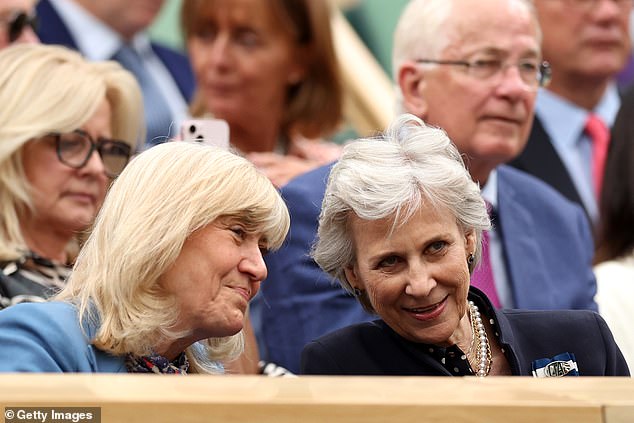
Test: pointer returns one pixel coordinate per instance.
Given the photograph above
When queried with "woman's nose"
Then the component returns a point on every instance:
(420, 281)
(253, 264)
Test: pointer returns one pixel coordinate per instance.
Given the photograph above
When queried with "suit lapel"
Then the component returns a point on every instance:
(51, 29)
(540, 159)
(523, 256)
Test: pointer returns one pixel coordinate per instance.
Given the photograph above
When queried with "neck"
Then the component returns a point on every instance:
(463, 334)
(255, 138)
(582, 91)
(50, 244)
(172, 349)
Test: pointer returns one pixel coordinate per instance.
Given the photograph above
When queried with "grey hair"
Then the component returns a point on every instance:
(424, 29)
(393, 175)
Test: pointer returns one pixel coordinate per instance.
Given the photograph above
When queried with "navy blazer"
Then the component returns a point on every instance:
(541, 160)
(374, 349)
(53, 30)
(548, 252)
(47, 337)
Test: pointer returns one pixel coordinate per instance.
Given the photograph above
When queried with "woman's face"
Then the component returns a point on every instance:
(65, 199)
(215, 276)
(243, 60)
(417, 278)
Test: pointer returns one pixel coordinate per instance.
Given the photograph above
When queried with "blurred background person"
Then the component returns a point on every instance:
(67, 128)
(615, 241)
(586, 43)
(169, 288)
(17, 22)
(401, 228)
(267, 67)
(473, 69)
(117, 30)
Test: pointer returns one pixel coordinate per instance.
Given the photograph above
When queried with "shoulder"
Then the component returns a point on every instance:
(309, 187)
(169, 54)
(46, 337)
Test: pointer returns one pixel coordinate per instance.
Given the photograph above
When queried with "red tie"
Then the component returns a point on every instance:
(482, 277)
(600, 136)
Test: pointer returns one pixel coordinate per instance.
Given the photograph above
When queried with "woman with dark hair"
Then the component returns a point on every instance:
(614, 257)
(267, 67)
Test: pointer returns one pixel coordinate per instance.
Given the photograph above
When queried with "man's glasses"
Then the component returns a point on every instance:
(533, 74)
(75, 148)
(16, 24)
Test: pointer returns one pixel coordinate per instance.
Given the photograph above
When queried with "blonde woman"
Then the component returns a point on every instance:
(164, 280)
(67, 128)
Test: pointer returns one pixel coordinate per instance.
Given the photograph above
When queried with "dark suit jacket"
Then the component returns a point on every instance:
(548, 251)
(541, 160)
(53, 30)
(373, 348)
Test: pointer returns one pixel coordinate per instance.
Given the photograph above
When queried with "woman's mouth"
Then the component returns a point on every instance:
(427, 312)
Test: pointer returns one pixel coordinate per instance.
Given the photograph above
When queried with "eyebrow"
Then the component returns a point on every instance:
(501, 52)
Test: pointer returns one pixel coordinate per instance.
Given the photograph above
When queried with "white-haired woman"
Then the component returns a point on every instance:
(400, 227)
(164, 279)
(67, 128)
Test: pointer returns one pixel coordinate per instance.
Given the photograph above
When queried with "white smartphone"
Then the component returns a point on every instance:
(208, 131)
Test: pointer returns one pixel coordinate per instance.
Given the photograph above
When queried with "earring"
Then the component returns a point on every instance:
(470, 261)
(356, 292)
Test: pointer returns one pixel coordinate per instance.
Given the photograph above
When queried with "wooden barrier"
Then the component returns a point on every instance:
(197, 398)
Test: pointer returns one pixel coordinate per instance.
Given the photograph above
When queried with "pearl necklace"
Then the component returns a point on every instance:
(482, 355)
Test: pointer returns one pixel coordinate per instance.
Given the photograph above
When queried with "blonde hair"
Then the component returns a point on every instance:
(162, 197)
(46, 89)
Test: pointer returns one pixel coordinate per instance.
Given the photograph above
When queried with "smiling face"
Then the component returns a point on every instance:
(416, 279)
(243, 60)
(488, 119)
(65, 199)
(218, 271)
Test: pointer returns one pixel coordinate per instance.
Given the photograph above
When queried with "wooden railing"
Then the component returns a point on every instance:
(197, 398)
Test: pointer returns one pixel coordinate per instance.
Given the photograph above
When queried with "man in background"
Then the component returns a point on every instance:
(587, 43)
(116, 30)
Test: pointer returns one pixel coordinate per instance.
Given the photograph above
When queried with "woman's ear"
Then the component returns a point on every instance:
(411, 81)
(351, 276)
(470, 242)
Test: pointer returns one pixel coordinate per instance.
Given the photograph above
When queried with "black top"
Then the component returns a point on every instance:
(373, 348)
(30, 279)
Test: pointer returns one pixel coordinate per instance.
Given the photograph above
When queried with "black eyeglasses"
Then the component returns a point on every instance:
(16, 24)
(533, 74)
(75, 148)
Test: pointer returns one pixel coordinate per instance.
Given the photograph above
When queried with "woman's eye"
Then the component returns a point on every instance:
(248, 38)
(239, 232)
(436, 247)
(388, 262)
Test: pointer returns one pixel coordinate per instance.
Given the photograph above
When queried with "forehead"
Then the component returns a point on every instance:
(494, 25)
(425, 223)
(240, 12)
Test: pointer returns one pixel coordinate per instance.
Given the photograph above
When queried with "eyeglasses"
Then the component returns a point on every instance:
(590, 5)
(16, 24)
(532, 73)
(75, 148)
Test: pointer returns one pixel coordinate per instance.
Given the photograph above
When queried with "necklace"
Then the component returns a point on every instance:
(479, 340)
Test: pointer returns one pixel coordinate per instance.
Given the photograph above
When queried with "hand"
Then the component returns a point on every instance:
(281, 169)
(322, 152)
